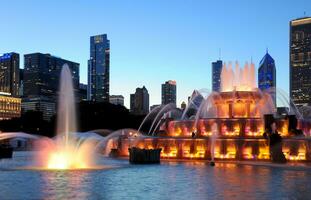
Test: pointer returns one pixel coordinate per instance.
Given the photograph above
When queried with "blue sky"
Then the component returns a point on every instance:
(154, 41)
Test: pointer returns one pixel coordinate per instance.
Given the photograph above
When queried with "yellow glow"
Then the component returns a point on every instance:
(64, 160)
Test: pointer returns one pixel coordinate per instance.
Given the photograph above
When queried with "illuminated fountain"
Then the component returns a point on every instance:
(66, 152)
(225, 125)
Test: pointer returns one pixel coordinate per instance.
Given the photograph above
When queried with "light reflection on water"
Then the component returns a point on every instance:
(170, 180)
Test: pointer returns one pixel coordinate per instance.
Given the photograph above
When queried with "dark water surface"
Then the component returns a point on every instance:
(169, 180)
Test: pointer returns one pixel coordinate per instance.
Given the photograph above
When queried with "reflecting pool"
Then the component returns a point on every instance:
(169, 180)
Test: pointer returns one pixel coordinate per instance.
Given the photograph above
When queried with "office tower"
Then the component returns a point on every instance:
(169, 92)
(42, 72)
(41, 81)
(216, 73)
(9, 74)
(98, 69)
(139, 101)
(83, 92)
(300, 61)
(267, 76)
(10, 104)
(116, 100)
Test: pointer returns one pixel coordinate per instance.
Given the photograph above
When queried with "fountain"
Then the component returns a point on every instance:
(226, 125)
(65, 152)
(69, 149)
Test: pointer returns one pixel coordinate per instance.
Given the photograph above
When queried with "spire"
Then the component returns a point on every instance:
(266, 50)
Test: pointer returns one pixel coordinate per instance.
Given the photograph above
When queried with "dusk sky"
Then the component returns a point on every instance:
(155, 41)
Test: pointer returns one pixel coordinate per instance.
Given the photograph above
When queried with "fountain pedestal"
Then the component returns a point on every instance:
(144, 156)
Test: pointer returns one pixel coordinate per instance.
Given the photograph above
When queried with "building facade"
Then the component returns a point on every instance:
(267, 76)
(139, 101)
(42, 72)
(216, 73)
(169, 92)
(41, 104)
(83, 92)
(98, 69)
(41, 82)
(116, 100)
(9, 74)
(300, 61)
(10, 107)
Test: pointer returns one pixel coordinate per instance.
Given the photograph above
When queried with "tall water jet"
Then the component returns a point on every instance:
(66, 152)
(66, 115)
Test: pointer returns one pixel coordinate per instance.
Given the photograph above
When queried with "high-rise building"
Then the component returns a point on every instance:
(267, 76)
(169, 92)
(116, 100)
(83, 92)
(41, 81)
(98, 68)
(300, 61)
(216, 73)
(42, 72)
(139, 101)
(10, 104)
(9, 74)
(21, 82)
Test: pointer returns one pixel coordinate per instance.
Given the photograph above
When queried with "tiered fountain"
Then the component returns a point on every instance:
(227, 125)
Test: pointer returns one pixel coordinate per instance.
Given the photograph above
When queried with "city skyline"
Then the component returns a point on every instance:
(148, 50)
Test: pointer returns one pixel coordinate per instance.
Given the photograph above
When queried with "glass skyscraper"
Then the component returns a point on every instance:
(41, 82)
(169, 92)
(216, 72)
(41, 74)
(267, 76)
(9, 74)
(300, 61)
(98, 68)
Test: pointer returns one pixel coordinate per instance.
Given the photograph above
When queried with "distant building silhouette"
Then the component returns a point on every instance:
(139, 101)
(300, 61)
(98, 69)
(267, 76)
(169, 92)
(216, 72)
(41, 82)
(116, 100)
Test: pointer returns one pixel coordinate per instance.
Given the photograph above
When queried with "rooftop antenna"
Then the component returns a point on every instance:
(304, 13)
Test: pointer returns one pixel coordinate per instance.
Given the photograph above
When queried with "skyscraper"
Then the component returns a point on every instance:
(300, 61)
(216, 72)
(41, 75)
(41, 82)
(9, 74)
(139, 101)
(267, 76)
(169, 92)
(10, 104)
(98, 68)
